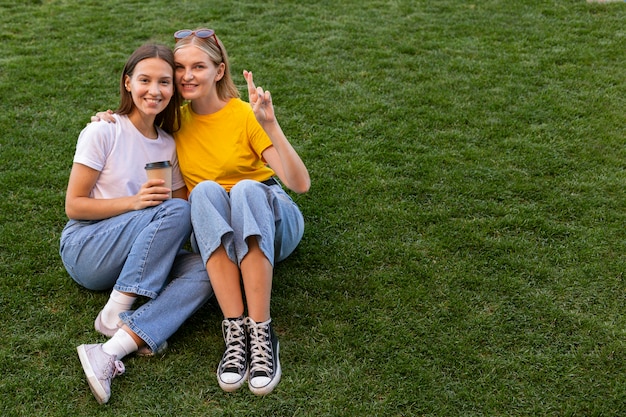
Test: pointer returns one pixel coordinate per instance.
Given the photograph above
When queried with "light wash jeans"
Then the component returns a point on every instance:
(132, 252)
(188, 290)
(250, 209)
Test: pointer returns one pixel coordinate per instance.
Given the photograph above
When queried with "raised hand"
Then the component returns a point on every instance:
(260, 100)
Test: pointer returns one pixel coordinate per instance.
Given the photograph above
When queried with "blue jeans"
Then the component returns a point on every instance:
(139, 252)
(132, 252)
(188, 290)
(251, 209)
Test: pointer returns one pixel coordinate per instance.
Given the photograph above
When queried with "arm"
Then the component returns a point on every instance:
(281, 156)
(79, 205)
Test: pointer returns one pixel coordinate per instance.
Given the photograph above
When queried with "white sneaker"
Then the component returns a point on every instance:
(100, 368)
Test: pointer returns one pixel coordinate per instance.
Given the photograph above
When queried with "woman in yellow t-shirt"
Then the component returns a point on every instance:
(230, 153)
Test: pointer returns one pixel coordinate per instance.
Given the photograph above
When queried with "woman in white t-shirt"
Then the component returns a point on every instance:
(125, 232)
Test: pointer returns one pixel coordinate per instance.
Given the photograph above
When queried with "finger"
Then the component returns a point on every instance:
(159, 191)
(155, 197)
(250, 80)
(151, 203)
(159, 197)
(154, 182)
(260, 93)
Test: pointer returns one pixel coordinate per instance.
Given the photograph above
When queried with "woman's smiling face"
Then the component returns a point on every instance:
(196, 74)
(151, 86)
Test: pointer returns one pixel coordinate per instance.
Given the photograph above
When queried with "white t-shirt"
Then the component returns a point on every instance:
(120, 152)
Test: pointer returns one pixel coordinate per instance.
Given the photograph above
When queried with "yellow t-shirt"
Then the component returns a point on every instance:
(225, 146)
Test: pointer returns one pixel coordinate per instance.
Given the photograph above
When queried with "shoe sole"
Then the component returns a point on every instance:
(274, 382)
(94, 385)
(232, 387)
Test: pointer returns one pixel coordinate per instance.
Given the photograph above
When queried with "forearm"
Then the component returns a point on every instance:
(87, 208)
(296, 175)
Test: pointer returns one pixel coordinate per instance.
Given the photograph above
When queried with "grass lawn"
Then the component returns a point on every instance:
(465, 246)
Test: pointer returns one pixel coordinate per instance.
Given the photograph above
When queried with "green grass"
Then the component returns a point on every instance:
(465, 245)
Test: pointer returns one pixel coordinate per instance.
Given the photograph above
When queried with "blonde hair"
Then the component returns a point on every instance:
(213, 47)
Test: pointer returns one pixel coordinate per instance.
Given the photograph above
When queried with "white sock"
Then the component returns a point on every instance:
(118, 303)
(120, 345)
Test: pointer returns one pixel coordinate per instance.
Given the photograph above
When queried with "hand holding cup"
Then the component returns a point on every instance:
(161, 170)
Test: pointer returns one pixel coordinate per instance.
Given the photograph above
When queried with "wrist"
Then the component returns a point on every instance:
(270, 125)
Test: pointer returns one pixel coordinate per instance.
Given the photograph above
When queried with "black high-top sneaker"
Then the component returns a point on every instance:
(265, 369)
(232, 371)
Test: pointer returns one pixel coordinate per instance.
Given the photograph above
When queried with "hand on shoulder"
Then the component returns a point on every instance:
(106, 116)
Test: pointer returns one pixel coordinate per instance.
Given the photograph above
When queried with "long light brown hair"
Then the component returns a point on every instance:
(169, 118)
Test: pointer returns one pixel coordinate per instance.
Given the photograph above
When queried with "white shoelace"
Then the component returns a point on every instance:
(260, 350)
(235, 337)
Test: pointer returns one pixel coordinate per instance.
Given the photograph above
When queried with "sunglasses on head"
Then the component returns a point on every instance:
(200, 33)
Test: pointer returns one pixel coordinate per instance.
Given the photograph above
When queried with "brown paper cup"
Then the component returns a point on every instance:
(160, 170)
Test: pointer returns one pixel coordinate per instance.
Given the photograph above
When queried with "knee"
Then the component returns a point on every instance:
(206, 190)
(94, 281)
(206, 187)
(246, 189)
(178, 207)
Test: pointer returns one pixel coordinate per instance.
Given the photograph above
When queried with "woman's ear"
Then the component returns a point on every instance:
(220, 71)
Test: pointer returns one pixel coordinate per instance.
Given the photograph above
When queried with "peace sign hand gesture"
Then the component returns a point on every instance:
(260, 101)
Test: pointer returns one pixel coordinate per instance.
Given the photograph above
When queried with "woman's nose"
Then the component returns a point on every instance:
(155, 89)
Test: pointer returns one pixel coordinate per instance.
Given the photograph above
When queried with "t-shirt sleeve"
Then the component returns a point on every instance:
(94, 145)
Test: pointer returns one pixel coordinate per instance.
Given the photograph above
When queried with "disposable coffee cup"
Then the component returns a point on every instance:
(161, 170)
